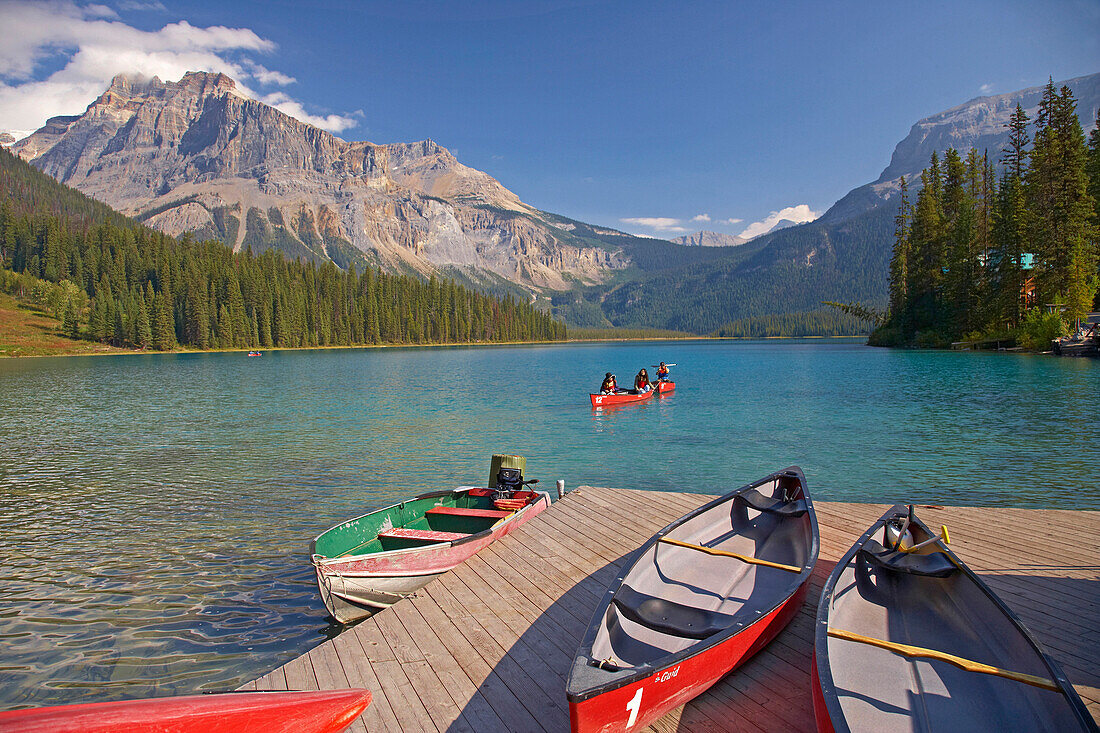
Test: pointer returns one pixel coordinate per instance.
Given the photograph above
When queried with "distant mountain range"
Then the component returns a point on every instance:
(709, 239)
(197, 156)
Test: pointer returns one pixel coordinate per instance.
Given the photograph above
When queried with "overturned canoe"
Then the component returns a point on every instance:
(375, 560)
(908, 638)
(326, 711)
(699, 598)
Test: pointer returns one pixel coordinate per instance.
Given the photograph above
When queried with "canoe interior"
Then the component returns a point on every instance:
(359, 536)
(877, 689)
(674, 597)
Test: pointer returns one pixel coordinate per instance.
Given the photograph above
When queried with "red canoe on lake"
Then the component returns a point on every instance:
(327, 711)
(700, 597)
(627, 396)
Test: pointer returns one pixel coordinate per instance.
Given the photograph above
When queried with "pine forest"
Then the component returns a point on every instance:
(980, 255)
(112, 280)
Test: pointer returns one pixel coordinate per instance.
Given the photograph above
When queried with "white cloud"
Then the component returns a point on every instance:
(98, 47)
(798, 214)
(730, 221)
(283, 103)
(701, 217)
(266, 76)
(660, 224)
(985, 88)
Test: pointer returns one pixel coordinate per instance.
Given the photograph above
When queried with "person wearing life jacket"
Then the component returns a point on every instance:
(608, 386)
(641, 382)
(662, 373)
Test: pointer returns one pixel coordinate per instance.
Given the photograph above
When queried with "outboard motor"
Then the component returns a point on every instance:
(509, 480)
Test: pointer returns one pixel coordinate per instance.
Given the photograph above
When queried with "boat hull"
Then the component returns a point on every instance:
(355, 587)
(665, 387)
(326, 711)
(623, 398)
(670, 687)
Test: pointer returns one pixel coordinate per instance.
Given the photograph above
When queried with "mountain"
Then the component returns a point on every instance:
(198, 156)
(842, 256)
(781, 224)
(979, 123)
(709, 239)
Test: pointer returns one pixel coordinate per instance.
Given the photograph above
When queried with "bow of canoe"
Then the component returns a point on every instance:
(327, 711)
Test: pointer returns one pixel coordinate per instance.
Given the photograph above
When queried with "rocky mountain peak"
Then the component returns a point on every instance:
(197, 155)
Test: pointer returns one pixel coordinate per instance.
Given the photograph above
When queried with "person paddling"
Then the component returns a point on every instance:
(608, 386)
(641, 382)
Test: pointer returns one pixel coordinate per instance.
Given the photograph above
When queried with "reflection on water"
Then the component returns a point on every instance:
(157, 510)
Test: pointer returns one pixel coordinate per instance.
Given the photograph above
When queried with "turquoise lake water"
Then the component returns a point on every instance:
(157, 509)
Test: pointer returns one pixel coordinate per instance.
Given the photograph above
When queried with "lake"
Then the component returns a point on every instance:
(158, 508)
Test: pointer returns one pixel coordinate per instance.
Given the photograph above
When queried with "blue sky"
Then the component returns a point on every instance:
(636, 115)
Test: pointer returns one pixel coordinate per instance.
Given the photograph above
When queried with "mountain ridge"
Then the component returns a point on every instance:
(197, 155)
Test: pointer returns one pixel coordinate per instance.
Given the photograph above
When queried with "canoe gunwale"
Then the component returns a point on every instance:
(823, 673)
(643, 671)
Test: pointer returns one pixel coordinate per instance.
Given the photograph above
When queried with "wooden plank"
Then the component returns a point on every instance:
(380, 715)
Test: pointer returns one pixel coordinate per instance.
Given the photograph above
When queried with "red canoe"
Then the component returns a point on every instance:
(700, 597)
(665, 386)
(327, 711)
(622, 398)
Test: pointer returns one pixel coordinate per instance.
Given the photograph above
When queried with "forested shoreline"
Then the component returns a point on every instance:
(979, 256)
(112, 280)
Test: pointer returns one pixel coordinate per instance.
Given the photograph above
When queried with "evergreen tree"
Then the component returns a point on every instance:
(1010, 224)
(1060, 208)
(70, 323)
(899, 263)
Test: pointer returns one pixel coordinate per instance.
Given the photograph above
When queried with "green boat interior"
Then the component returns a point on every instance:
(425, 520)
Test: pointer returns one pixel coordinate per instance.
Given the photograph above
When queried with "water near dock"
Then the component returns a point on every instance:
(157, 509)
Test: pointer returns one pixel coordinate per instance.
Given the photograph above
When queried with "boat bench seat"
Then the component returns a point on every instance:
(769, 505)
(934, 564)
(669, 617)
(454, 511)
(424, 535)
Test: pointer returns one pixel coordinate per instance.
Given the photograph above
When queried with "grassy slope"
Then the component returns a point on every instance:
(26, 332)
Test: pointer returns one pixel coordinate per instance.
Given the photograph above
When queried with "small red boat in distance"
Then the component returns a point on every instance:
(325, 711)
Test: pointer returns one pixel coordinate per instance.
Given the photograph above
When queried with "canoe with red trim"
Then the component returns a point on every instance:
(664, 386)
(699, 598)
(885, 621)
(373, 561)
(620, 398)
(326, 711)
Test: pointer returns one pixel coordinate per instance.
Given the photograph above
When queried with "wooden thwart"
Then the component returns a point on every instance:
(966, 664)
(724, 553)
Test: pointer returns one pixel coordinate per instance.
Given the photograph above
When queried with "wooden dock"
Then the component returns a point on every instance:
(486, 647)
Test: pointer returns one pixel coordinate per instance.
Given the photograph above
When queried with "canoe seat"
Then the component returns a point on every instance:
(423, 535)
(454, 511)
(769, 505)
(669, 617)
(934, 564)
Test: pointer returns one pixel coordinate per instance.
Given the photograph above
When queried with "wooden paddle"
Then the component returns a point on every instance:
(907, 650)
(723, 553)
